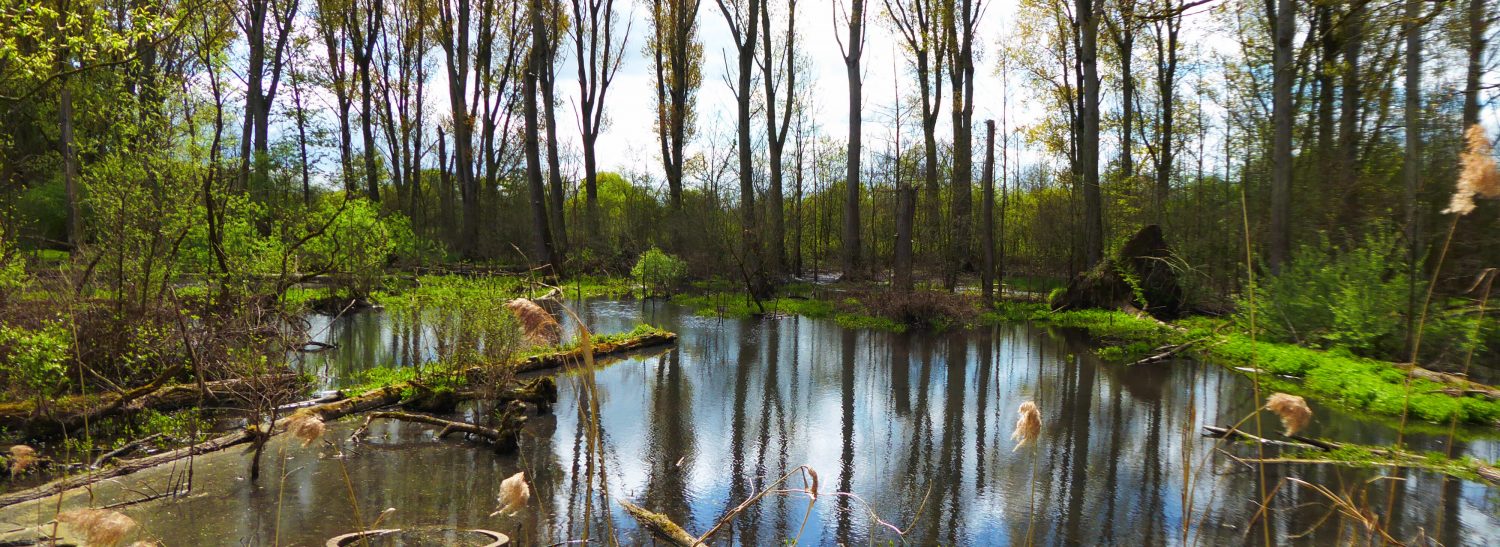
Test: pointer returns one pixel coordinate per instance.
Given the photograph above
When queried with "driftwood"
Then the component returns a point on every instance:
(71, 412)
(121, 451)
(1165, 352)
(1225, 432)
(449, 426)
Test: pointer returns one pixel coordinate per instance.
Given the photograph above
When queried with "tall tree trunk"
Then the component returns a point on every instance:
(301, 118)
(961, 22)
(906, 213)
(364, 45)
(777, 126)
(554, 167)
(1088, 149)
(1478, 20)
(545, 248)
(1283, 29)
(70, 162)
(743, 27)
(1166, 79)
(1327, 56)
(987, 212)
(1123, 35)
(1352, 30)
(855, 49)
(1412, 166)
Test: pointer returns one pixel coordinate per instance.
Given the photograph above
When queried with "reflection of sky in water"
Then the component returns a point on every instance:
(891, 418)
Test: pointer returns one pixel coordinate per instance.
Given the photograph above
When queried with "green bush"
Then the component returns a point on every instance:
(659, 273)
(1330, 297)
(34, 360)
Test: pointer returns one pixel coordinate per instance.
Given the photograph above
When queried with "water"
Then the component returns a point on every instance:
(912, 428)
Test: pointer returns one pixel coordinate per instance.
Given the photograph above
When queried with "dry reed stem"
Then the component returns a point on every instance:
(538, 325)
(1028, 426)
(22, 457)
(1292, 410)
(1478, 175)
(514, 493)
(99, 527)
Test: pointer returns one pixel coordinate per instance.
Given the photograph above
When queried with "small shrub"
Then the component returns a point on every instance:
(659, 273)
(34, 360)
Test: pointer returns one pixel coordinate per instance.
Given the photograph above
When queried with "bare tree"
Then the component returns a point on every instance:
(598, 54)
(961, 19)
(329, 18)
(919, 23)
(987, 215)
(743, 18)
(263, 53)
(547, 78)
(365, 24)
(852, 52)
(776, 127)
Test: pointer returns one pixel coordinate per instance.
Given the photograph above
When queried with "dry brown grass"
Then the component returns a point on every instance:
(1028, 426)
(514, 493)
(1291, 409)
(306, 426)
(1479, 176)
(540, 327)
(99, 527)
(22, 457)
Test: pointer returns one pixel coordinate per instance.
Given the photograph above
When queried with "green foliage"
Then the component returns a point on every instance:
(660, 273)
(1328, 297)
(34, 360)
(12, 269)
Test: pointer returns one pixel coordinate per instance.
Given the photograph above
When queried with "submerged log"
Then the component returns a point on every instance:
(659, 525)
(495, 436)
(1140, 276)
(71, 412)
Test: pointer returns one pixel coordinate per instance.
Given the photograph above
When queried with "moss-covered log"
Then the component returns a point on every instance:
(602, 350)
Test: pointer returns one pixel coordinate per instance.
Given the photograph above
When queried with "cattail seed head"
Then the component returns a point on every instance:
(99, 527)
(1028, 426)
(307, 426)
(1478, 176)
(22, 457)
(513, 495)
(538, 325)
(1292, 410)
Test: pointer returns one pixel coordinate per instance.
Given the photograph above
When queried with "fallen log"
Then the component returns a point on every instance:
(659, 525)
(71, 412)
(503, 439)
(329, 411)
(602, 350)
(121, 451)
(1225, 432)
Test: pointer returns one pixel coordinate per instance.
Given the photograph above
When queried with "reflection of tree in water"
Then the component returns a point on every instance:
(772, 412)
(846, 432)
(670, 449)
(590, 454)
(740, 487)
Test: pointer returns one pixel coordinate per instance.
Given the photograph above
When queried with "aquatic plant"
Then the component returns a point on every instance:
(1028, 426)
(538, 325)
(1291, 409)
(22, 457)
(513, 495)
(305, 426)
(1478, 176)
(99, 527)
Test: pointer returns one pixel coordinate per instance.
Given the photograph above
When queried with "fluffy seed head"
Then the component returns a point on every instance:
(1291, 409)
(22, 457)
(540, 327)
(513, 495)
(1479, 175)
(307, 426)
(1028, 426)
(99, 527)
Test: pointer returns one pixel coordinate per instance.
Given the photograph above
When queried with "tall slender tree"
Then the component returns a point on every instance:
(743, 17)
(547, 78)
(852, 50)
(1088, 147)
(961, 20)
(545, 247)
(598, 53)
(919, 22)
(775, 79)
(1281, 15)
(677, 58)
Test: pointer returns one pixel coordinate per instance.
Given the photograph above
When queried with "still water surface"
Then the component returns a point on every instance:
(913, 428)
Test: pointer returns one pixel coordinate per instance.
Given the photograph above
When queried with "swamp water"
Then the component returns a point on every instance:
(913, 428)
